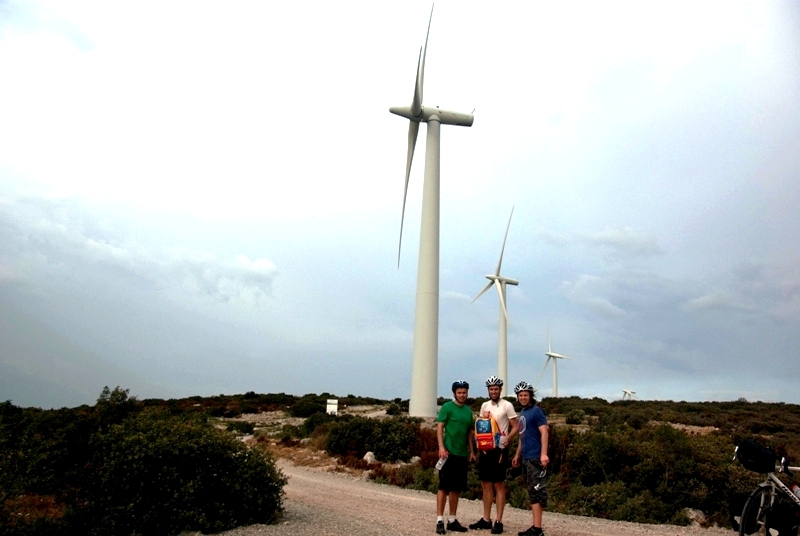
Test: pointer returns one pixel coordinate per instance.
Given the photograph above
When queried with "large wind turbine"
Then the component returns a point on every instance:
(424, 365)
(555, 357)
(500, 282)
(627, 394)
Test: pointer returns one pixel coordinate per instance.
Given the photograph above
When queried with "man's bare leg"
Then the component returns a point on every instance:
(488, 499)
(453, 503)
(537, 514)
(500, 499)
(441, 497)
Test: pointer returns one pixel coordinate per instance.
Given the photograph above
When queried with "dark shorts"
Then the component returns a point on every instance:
(453, 474)
(535, 478)
(492, 465)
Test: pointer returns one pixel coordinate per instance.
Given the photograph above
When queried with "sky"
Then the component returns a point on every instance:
(203, 199)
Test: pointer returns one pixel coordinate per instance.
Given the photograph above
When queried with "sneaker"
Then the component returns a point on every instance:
(498, 528)
(440, 527)
(455, 526)
(481, 524)
(532, 531)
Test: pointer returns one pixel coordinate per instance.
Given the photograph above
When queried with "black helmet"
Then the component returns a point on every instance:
(460, 384)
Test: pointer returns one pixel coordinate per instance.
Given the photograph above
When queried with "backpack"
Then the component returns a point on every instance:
(487, 433)
(756, 457)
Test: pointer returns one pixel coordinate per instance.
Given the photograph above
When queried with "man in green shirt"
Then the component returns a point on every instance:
(454, 431)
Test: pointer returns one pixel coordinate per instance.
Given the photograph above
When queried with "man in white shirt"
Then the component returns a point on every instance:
(492, 465)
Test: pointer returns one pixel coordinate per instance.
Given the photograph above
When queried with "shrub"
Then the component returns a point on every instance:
(390, 440)
(306, 407)
(393, 409)
(158, 474)
(240, 426)
(575, 416)
(315, 421)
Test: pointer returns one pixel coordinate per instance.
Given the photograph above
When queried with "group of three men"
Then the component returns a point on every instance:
(456, 445)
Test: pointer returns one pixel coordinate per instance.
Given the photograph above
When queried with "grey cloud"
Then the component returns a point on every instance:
(44, 230)
(586, 291)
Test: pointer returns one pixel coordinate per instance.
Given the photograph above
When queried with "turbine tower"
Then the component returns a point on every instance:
(555, 357)
(425, 360)
(500, 282)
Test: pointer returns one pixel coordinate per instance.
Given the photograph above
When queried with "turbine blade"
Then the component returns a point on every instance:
(413, 130)
(416, 104)
(502, 299)
(542, 372)
(487, 287)
(500, 262)
(548, 339)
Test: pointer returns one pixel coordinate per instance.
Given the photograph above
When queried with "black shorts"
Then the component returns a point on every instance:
(535, 478)
(492, 465)
(453, 474)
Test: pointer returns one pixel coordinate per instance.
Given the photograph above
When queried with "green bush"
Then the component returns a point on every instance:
(240, 426)
(314, 421)
(119, 469)
(306, 407)
(158, 474)
(392, 439)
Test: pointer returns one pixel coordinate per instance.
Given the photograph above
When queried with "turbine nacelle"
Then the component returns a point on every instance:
(445, 117)
(556, 356)
(501, 279)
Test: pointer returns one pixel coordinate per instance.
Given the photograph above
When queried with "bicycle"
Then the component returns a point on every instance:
(772, 508)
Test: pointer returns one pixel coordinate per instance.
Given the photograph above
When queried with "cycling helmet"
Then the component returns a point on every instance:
(460, 384)
(524, 386)
(494, 380)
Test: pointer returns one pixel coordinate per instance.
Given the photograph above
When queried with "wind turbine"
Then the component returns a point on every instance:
(424, 364)
(500, 282)
(627, 394)
(555, 357)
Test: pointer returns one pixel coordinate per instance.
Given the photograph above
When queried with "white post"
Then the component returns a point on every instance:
(425, 361)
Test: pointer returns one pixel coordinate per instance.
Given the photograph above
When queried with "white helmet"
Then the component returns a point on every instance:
(524, 386)
(494, 380)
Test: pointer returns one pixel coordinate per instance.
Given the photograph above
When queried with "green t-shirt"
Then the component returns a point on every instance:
(457, 425)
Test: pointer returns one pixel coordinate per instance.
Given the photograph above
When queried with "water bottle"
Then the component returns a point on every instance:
(440, 463)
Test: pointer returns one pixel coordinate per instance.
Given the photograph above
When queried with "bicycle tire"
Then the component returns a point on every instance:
(754, 513)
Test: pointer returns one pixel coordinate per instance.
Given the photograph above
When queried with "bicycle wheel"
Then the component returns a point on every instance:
(754, 514)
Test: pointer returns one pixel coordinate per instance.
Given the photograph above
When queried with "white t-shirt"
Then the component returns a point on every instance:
(502, 412)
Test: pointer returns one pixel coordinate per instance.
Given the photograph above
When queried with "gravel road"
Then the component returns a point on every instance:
(324, 503)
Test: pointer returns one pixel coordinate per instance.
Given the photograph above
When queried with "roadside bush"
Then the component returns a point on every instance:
(240, 426)
(393, 409)
(575, 416)
(390, 440)
(306, 407)
(316, 420)
(158, 474)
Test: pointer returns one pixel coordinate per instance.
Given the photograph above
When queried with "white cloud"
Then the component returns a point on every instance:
(717, 300)
(626, 240)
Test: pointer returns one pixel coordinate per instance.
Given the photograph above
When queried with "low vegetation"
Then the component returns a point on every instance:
(126, 466)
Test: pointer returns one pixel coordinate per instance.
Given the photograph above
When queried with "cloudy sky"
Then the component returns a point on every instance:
(199, 199)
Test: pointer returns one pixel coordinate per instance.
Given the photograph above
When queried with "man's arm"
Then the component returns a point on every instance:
(440, 436)
(470, 439)
(545, 431)
(505, 441)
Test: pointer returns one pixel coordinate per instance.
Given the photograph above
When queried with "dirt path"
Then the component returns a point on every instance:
(320, 502)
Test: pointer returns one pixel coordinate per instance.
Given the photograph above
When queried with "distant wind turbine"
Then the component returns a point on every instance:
(627, 394)
(424, 364)
(555, 357)
(500, 282)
